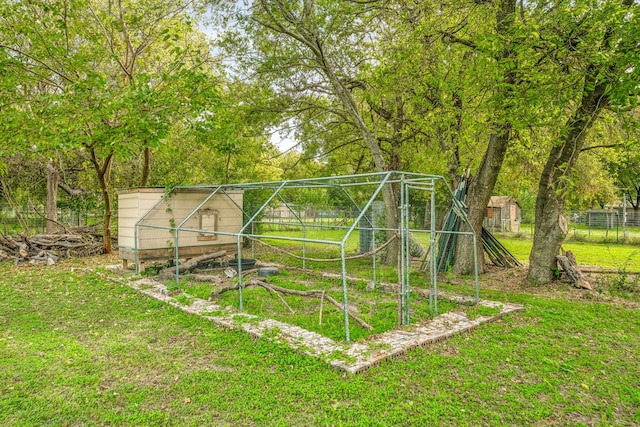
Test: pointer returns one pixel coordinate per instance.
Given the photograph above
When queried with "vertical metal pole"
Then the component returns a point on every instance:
(401, 273)
(475, 267)
(433, 295)
(375, 256)
(175, 244)
(624, 217)
(344, 293)
(239, 259)
(407, 252)
(304, 245)
(135, 248)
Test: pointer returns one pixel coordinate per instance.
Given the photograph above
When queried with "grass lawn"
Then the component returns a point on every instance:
(608, 255)
(79, 348)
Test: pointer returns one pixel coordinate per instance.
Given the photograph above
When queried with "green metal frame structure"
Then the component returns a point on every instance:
(406, 182)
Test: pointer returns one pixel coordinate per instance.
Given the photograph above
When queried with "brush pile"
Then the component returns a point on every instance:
(47, 249)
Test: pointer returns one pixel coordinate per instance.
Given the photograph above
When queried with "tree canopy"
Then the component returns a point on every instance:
(122, 93)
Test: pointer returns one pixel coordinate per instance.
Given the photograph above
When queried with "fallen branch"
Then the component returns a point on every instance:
(601, 270)
(191, 264)
(310, 293)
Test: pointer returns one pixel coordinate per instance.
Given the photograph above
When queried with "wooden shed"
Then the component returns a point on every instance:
(196, 220)
(503, 213)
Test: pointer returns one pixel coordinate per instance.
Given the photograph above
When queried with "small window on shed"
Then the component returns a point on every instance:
(489, 213)
(208, 222)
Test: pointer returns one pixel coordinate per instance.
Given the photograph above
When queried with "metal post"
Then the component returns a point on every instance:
(433, 295)
(175, 244)
(375, 256)
(135, 248)
(475, 267)
(402, 272)
(304, 245)
(407, 252)
(624, 217)
(239, 266)
(344, 293)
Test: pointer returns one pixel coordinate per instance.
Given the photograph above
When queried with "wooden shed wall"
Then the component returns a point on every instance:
(132, 204)
(218, 214)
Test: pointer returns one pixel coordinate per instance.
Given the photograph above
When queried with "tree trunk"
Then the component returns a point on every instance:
(478, 197)
(482, 185)
(53, 178)
(103, 173)
(146, 168)
(550, 229)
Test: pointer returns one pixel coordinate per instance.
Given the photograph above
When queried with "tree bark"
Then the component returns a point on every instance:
(480, 191)
(146, 167)
(554, 181)
(570, 266)
(53, 179)
(482, 185)
(191, 264)
(549, 231)
(103, 173)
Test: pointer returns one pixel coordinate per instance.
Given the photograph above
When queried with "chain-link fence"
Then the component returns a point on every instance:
(596, 225)
(31, 219)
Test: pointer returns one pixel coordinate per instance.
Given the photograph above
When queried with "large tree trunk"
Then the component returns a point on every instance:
(53, 179)
(146, 168)
(103, 173)
(550, 224)
(483, 183)
(478, 197)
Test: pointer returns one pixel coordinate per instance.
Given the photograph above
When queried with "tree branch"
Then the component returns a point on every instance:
(593, 147)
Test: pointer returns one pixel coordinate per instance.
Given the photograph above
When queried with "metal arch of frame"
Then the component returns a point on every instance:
(406, 180)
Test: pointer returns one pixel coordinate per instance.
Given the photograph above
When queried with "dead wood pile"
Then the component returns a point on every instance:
(47, 249)
(570, 266)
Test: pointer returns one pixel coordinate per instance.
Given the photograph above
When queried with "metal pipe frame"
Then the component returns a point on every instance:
(304, 230)
(408, 181)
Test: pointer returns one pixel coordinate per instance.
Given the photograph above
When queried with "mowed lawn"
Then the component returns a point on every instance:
(79, 347)
(606, 255)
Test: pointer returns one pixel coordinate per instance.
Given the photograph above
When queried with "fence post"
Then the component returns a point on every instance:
(624, 217)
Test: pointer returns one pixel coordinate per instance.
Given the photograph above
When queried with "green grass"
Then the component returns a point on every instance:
(77, 348)
(587, 253)
(608, 255)
(379, 309)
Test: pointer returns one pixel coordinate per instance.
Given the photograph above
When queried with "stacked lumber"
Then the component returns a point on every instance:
(47, 249)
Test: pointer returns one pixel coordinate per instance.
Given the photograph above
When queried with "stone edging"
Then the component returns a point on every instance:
(355, 357)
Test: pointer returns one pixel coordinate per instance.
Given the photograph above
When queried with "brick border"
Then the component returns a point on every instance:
(355, 357)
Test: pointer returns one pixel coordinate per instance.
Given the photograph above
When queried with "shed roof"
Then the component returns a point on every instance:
(501, 201)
